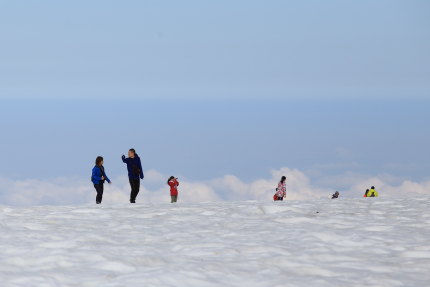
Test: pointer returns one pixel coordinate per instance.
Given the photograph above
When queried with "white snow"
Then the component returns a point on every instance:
(343, 242)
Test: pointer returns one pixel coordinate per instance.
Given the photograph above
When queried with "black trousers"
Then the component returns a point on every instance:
(99, 189)
(135, 187)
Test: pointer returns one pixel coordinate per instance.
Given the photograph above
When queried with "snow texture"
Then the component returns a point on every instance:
(343, 242)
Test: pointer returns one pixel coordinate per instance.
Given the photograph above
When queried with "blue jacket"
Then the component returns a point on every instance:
(98, 172)
(134, 167)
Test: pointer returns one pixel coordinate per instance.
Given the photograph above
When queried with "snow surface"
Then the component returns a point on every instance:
(343, 242)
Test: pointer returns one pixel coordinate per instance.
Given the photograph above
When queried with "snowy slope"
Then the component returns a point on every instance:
(349, 242)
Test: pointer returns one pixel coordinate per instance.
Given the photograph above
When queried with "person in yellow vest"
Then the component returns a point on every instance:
(372, 192)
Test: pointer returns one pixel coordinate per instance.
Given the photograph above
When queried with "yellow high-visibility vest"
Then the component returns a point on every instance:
(372, 192)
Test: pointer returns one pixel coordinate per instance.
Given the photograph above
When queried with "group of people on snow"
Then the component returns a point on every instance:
(135, 174)
(369, 193)
(281, 191)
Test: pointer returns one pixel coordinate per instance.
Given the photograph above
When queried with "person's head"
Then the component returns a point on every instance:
(131, 152)
(170, 178)
(337, 193)
(367, 190)
(372, 187)
(99, 161)
(283, 179)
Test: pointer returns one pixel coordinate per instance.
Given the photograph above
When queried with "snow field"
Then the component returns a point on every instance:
(343, 242)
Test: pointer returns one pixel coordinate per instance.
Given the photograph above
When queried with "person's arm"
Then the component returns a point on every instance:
(107, 178)
(140, 168)
(125, 160)
(177, 182)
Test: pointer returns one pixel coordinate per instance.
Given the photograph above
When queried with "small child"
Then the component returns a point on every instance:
(173, 183)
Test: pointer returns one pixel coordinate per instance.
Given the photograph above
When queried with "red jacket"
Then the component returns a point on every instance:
(174, 187)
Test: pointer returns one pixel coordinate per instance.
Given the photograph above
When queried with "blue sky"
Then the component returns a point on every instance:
(206, 139)
(215, 49)
(207, 88)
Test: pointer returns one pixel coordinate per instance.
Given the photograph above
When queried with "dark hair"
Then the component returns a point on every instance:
(283, 179)
(373, 187)
(99, 159)
(170, 178)
(132, 150)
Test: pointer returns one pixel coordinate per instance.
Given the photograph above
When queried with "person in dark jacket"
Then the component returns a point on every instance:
(98, 178)
(335, 195)
(135, 173)
(366, 192)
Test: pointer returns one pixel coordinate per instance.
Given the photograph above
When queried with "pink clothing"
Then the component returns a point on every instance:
(282, 189)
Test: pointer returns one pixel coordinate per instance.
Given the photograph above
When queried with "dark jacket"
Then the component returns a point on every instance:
(98, 172)
(134, 167)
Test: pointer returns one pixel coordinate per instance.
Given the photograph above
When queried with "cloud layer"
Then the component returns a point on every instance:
(154, 189)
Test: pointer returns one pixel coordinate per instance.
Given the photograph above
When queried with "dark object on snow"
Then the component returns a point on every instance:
(365, 193)
(335, 195)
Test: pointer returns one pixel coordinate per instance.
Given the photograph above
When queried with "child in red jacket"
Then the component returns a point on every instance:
(173, 183)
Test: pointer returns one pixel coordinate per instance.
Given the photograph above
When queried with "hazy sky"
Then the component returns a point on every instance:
(208, 88)
(206, 139)
(215, 49)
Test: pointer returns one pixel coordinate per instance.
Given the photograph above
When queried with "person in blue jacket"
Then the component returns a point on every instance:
(135, 173)
(98, 177)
